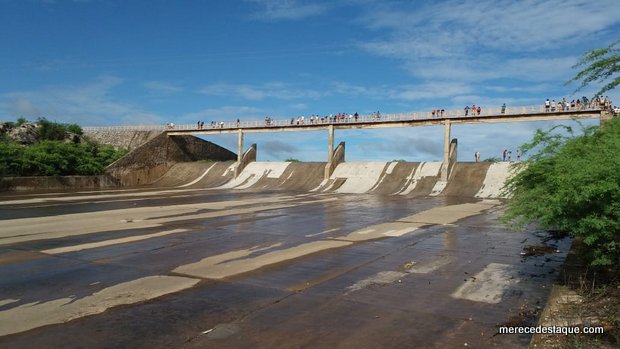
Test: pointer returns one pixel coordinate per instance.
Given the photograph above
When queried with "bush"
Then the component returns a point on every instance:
(51, 131)
(20, 121)
(572, 184)
(55, 158)
(75, 128)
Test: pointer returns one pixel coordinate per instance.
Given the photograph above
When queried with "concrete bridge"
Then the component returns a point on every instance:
(335, 156)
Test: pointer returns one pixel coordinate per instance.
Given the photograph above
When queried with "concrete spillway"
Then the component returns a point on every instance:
(482, 180)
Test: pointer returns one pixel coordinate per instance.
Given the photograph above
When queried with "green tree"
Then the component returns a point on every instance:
(599, 66)
(572, 184)
(51, 131)
(75, 128)
(20, 121)
(56, 158)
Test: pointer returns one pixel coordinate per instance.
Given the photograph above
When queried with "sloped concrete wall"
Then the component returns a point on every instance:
(149, 162)
(248, 157)
(336, 160)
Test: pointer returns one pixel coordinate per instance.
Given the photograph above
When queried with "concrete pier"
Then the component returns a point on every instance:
(445, 168)
(240, 146)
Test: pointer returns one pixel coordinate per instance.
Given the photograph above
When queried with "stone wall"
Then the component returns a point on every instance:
(122, 139)
(150, 161)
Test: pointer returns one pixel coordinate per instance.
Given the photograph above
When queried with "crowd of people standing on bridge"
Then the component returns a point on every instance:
(578, 104)
(331, 118)
(475, 110)
(200, 125)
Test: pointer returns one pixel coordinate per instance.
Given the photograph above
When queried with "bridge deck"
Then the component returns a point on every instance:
(385, 122)
(511, 114)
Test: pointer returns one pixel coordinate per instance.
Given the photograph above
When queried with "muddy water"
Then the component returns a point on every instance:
(189, 268)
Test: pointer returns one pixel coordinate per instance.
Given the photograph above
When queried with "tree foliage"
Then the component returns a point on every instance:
(572, 184)
(21, 120)
(55, 158)
(53, 131)
(599, 66)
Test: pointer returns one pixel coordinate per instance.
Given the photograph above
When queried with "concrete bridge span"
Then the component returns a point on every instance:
(335, 156)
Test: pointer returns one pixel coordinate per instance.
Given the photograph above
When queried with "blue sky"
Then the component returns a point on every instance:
(103, 62)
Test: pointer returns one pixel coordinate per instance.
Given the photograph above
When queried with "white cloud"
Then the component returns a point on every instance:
(474, 41)
(161, 87)
(270, 10)
(277, 90)
(87, 104)
(225, 113)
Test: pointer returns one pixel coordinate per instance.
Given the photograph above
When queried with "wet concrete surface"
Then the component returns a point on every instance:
(434, 285)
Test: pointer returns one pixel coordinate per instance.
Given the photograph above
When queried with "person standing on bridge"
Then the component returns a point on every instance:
(504, 108)
(466, 110)
(478, 110)
(477, 156)
(547, 105)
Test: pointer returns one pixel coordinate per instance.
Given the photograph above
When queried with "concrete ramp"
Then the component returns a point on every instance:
(360, 177)
(196, 175)
(255, 173)
(496, 176)
(467, 179)
(421, 180)
(394, 178)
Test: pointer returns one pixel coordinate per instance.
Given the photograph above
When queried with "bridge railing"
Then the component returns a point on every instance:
(348, 119)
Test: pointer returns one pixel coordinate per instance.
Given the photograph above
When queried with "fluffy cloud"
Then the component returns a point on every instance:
(474, 41)
(87, 104)
(277, 90)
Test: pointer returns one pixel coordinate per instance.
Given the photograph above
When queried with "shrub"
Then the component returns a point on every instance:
(572, 184)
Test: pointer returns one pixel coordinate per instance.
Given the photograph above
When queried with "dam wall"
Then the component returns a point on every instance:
(150, 161)
(413, 179)
(122, 139)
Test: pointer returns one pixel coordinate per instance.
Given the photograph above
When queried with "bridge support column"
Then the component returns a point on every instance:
(330, 143)
(445, 167)
(605, 116)
(330, 153)
(240, 146)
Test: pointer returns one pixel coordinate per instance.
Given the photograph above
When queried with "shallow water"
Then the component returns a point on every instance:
(229, 269)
